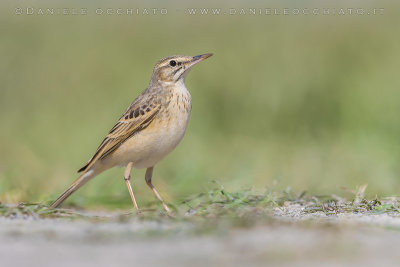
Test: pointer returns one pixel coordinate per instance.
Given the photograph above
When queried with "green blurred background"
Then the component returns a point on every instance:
(309, 101)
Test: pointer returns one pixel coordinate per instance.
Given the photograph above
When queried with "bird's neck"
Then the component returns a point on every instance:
(180, 87)
(177, 87)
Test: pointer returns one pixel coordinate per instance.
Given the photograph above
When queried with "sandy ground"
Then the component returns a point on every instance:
(291, 239)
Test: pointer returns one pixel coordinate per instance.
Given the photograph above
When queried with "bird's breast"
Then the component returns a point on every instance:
(161, 136)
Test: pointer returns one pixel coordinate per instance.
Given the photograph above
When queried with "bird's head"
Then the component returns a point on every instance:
(175, 68)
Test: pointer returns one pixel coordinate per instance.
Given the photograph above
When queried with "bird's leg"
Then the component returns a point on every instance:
(127, 177)
(149, 174)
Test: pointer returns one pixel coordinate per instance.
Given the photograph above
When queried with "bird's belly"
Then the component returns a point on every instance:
(153, 143)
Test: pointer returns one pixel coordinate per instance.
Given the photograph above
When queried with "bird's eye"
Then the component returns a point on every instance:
(172, 63)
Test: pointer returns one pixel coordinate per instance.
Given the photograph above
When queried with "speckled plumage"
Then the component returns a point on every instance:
(149, 129)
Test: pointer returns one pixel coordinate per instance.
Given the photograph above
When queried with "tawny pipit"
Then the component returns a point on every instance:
(150, 128)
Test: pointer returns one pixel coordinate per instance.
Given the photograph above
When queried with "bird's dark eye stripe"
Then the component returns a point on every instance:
(177, 70)
(172, 63)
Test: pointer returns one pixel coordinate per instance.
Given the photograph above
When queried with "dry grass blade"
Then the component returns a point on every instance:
(360, 194)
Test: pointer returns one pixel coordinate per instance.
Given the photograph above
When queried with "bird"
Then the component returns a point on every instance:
(150, 128)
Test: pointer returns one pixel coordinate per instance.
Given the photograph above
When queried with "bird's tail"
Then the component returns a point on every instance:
(75, 186)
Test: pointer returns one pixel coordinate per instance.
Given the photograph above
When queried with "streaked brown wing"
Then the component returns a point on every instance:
(137, 117)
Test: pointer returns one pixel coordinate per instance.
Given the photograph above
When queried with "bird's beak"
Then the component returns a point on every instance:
(199, 58)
